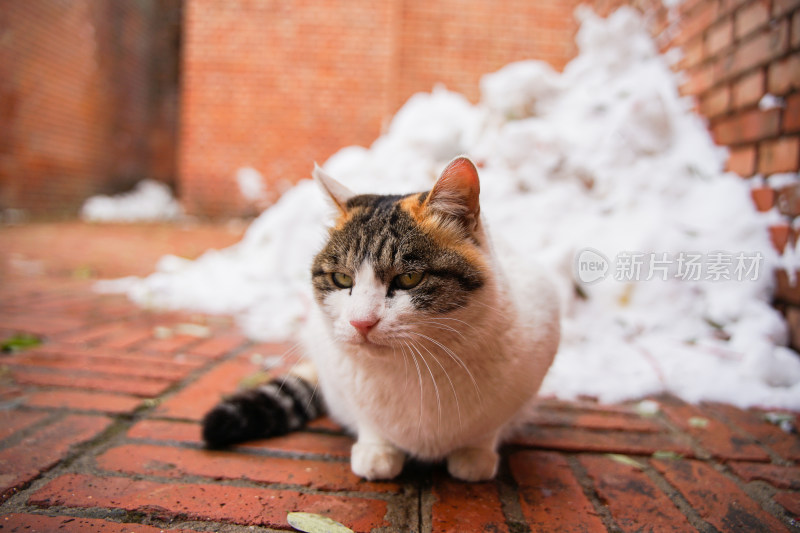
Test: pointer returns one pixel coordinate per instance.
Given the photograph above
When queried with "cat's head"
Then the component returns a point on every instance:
(397, 267)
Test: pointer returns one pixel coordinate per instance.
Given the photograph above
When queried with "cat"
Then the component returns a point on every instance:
(422, 342)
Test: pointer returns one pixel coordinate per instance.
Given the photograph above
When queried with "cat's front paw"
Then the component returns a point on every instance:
(376, 461)
(473, 464)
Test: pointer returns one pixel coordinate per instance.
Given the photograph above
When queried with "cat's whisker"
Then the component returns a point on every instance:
(500, 312)
(493, 309)
(458, 360)
(311, 398)
(405, 364)
(452, 386)
(288, 352)
(419, 378)
(290, 372)
(433, 380)
(467, 324)
(442, 327)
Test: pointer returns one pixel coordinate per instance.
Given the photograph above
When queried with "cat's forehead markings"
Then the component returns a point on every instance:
(444, 235)
(430, 222)
(413, 206)
(343, 218)
(347, 215)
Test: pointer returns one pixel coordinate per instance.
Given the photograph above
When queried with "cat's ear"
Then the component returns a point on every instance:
(338, 193)
(456, 192)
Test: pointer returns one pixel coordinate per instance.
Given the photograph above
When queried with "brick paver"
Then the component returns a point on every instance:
(99, 431)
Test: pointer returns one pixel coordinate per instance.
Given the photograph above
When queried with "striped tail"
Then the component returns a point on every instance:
(275, 408)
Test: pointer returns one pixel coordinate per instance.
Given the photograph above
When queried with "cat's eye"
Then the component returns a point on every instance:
(409, 280)
(343, 281)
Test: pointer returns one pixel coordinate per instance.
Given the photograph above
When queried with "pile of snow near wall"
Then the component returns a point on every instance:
(149, 201)
(602, 163)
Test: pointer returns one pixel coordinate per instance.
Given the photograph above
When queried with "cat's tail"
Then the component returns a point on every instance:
(275, 408)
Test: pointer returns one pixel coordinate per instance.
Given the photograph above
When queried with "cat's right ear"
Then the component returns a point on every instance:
(456, 192)
(338, 193)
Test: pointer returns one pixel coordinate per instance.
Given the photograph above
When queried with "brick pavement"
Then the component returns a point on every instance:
(99, 431)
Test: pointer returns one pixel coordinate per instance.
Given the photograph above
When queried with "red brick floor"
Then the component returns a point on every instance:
(99, 429)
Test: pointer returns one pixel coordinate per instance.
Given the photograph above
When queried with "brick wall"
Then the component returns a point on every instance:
(455, 42)
(87, 99)
(277, 85)
(89, 90)
(737, 52)
(273, 86)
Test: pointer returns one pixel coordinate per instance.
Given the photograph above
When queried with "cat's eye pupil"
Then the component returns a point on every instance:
(343, 281)
(408, 280)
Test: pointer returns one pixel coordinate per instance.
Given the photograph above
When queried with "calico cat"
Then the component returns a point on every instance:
(422, 342)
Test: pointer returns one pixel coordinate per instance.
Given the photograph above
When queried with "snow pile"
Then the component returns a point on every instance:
(150, 200)
(605, 156)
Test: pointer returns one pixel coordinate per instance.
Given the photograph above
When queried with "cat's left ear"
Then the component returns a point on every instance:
(456, 192)
(338, 193)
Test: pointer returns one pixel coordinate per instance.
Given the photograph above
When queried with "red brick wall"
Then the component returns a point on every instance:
(277, 85)
(736, 52)
(89, 91)
(274, 86)
(85, 99)
(455, 42)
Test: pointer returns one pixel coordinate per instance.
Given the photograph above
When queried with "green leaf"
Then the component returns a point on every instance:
(624, 459)
(314, 523)
(20, 342)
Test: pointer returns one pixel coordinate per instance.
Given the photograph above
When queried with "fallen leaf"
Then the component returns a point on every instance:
(698, 422)
(667, 455)
(774, 417)
(193, 330)
(647, 408)
(20, 342)
(624, 459)
(162, 332)
(314, 523)
(254, 380)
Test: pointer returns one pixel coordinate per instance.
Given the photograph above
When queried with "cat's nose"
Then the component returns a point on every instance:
(364, 326)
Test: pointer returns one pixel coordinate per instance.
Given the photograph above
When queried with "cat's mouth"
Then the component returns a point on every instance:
(373, 341)
(361, 340)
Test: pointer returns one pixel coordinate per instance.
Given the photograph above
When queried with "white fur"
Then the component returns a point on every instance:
(434, 388)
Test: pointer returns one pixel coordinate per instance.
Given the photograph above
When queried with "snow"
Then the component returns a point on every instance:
(251, 184)
(770, 101)
(605, 156)
(149, 201)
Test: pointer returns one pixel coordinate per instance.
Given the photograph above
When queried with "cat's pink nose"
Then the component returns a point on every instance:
(364, 326)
